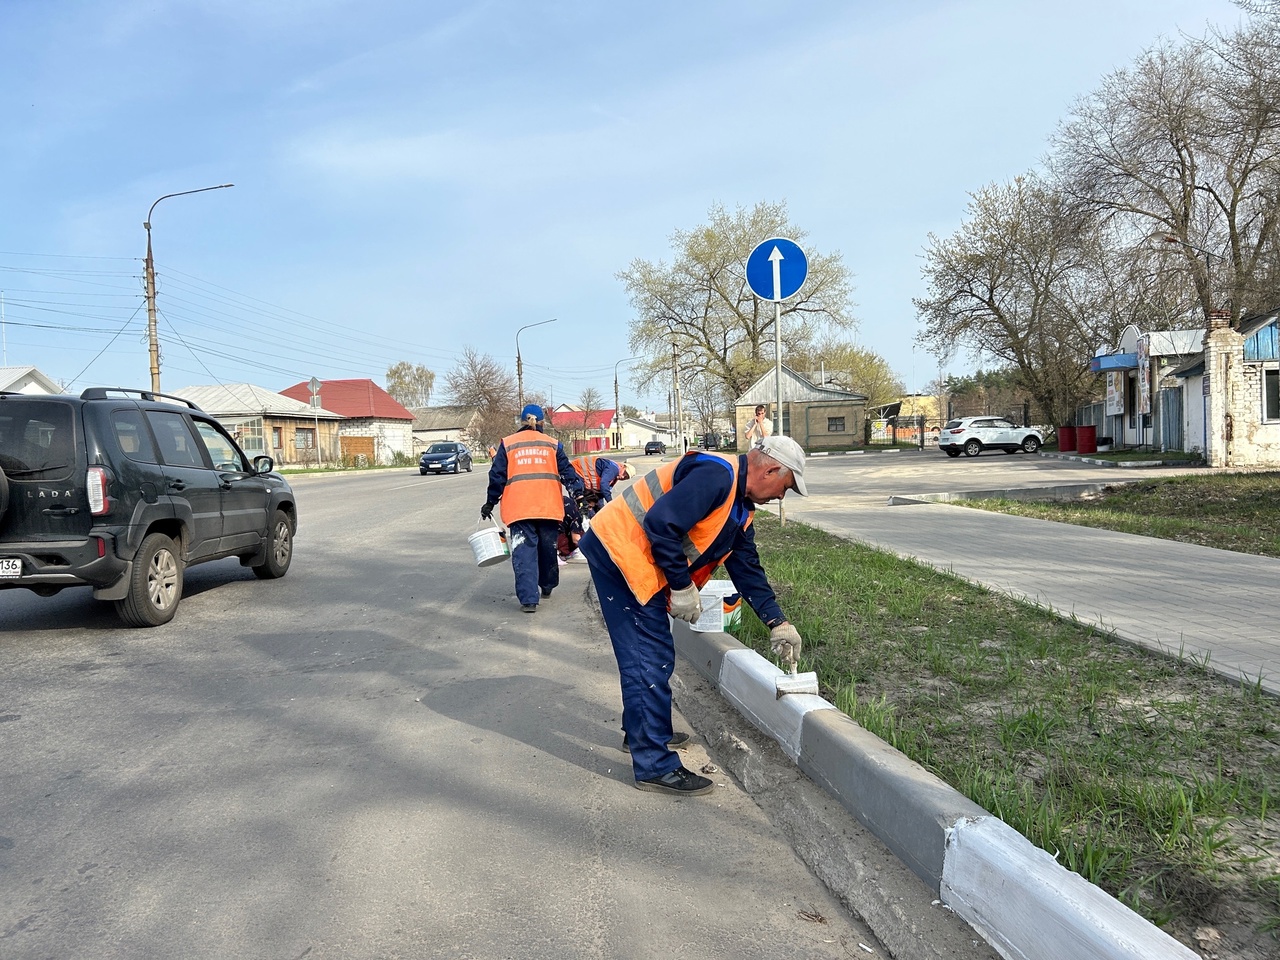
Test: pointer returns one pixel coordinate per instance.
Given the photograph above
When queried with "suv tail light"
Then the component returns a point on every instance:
(96, 482)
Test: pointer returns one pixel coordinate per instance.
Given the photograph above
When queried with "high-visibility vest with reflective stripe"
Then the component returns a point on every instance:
(620, 528)
(586, 467)
(533, 478)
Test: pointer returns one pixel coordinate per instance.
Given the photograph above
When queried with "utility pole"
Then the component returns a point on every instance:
(153, 339)
(617, 408)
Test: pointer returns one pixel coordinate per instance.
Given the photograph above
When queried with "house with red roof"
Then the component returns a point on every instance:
(374, 425)
(587, 431)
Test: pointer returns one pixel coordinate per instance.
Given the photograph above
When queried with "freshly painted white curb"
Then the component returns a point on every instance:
(1030, 907)
(1026, 904)
(750, 683)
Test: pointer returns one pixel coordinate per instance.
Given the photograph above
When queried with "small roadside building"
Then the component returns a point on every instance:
(458, 423)
(582, 431)
(264, 422)
(373, 424)
(819, 418)
(1231, 393)
(27, 380)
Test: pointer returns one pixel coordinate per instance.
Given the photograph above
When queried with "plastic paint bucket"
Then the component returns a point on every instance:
(489, 546)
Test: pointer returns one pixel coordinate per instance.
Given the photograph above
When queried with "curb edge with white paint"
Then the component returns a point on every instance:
(1018, 897)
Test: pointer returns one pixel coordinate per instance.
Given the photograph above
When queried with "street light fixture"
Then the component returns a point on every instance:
(519, 364)
(617, 412)
(152, 339)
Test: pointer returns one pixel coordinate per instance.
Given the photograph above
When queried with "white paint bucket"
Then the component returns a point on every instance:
(489, 546)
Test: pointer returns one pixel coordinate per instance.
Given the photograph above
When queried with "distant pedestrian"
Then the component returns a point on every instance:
(759, 426)
(526, 476)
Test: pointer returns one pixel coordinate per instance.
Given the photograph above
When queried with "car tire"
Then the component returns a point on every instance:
(952, 453)
(1030, 444)
(972, 448)
(279, 549)
(421, 472)
(155, 584)
(468, 467)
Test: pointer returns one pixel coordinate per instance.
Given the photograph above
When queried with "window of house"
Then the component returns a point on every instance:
(835, 424)
(277, 441)
(1271, 393)
(304, 438)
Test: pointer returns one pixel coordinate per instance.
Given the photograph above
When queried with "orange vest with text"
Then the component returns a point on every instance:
(586, 467)
(620, 528)
(533, 478)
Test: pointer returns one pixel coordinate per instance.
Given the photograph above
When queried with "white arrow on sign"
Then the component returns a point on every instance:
(776, 259)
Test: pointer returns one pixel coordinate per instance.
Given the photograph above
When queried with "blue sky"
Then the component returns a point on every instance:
(415, 177)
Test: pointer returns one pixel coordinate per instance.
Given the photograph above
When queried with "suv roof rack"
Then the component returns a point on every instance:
(101, 393)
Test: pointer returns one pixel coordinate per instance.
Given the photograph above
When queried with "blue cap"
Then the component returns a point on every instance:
(531, 410)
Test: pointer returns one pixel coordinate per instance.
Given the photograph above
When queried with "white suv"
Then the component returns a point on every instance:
(972, 435)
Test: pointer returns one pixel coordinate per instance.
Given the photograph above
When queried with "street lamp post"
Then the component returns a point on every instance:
(519, 364)
(617, 412)
(152, 339)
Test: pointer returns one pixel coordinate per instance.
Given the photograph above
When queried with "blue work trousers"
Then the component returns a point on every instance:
(533, 557)
(646, 655)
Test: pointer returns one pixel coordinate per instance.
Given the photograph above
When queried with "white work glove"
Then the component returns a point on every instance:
(686, 604)
(784, 641)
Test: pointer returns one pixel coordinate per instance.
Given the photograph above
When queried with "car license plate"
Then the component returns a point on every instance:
(10, 567)
(433, 466)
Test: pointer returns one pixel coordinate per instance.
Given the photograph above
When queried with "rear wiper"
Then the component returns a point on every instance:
(23, 473)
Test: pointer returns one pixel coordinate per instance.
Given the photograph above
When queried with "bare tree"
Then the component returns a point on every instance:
(591, 403)
(1024, 280)
(700, 302)
(410, 384)
(1180, 150)
(477, 380)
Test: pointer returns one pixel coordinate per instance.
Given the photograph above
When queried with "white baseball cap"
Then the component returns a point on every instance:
(788, 453)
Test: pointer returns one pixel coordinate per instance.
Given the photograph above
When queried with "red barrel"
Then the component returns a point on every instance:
(1086, 438)
(1066, 438)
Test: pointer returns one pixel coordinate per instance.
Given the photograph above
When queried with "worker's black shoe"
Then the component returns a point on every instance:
(681, 782)
(679, 740)
(529, 607)
(546, 591)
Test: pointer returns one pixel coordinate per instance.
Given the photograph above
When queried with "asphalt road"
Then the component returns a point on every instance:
(377, 756)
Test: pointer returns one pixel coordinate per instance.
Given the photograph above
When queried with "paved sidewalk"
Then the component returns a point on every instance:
(1208, 604)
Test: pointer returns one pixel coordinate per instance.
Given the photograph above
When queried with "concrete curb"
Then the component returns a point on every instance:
(1018, 897)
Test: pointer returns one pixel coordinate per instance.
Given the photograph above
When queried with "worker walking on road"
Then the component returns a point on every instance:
(650, 551)
(599, 474)
(526, 476)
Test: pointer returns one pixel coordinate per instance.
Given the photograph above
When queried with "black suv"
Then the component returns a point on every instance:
(122, 490)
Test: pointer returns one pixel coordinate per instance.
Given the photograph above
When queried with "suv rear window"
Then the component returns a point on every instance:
(131, 434)
(37, 440)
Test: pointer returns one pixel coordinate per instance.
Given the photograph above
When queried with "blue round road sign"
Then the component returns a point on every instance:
(776, 269)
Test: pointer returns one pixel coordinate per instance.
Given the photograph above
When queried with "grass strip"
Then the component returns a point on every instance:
(1229, 511)
(1150, 776)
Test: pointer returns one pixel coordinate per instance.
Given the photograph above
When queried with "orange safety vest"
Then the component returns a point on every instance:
(620, 528)
(533, 478)
(586, 467)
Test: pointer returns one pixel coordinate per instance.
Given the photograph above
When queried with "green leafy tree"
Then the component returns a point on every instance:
(699, 307)
(850, 367)
(410, 384)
